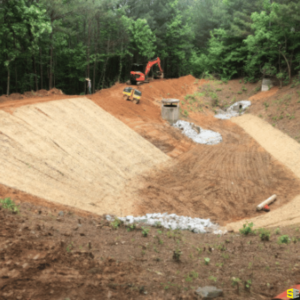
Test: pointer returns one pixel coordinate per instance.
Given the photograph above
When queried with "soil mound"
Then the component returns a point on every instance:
(55, 91)
(16, 96)
(42, 93)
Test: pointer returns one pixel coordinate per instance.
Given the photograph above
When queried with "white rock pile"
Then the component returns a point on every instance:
(197, 134)
(234, 110)
(172, 221)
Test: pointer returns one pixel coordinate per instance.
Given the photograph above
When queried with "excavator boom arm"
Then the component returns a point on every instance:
(151, 63)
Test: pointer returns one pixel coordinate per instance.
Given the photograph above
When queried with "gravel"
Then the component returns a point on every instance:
(234, 110)
(172, 221)
(197, 134)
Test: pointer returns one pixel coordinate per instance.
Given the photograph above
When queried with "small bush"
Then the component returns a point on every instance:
(131, 227)
(116, 224)
(277, 231)
(8, 204)
(264, 234)
(206, 260)
(158, 225)
(247, 229)
(176, 254)
(145, 231)
(284, 239)
(248, 284)
(235, 281)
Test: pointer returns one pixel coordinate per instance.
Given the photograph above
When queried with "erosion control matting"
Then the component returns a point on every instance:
(73, 152)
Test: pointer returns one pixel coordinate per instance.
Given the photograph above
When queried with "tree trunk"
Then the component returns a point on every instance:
(51, 62)
(16, 76)
(96, 50)
(121, 65)
(106, 60)
(8, 80)
(41, 67)
(88, 50)
(288, 65)
(35, 74)
(53, 72)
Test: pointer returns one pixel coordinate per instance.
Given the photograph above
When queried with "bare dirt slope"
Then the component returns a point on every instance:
(284, 149)
(224, 182)
(145, 117)
(73, 152)
(280, 108)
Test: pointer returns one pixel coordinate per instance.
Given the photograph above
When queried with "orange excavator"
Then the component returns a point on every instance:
(137, 76)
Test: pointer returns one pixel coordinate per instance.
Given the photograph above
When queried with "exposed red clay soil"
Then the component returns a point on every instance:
(264, 95)
(223, 182)
(145, 117)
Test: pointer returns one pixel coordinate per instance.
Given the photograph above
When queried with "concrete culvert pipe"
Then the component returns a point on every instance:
(170, 110)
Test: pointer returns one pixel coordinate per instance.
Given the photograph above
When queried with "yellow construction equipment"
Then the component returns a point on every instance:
(132, 94)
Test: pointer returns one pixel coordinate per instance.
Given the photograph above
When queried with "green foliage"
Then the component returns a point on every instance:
(8, 204)
(131, 227)
(191, 276)
(264, 234)
(213, 278)
(247, 229)
(235, 281)
(177, 254)
(70, 247)
(116, 223)
(277, 231)
(206, 260)
(284, 239)
(145, 231)
(248, 284)
(59, 43)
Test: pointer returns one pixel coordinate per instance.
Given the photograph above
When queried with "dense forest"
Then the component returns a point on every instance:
(58, 43)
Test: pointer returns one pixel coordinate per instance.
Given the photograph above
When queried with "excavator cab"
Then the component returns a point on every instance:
(136, 73)
(137, 76)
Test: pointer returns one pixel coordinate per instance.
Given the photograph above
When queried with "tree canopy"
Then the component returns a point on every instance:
(61, 42)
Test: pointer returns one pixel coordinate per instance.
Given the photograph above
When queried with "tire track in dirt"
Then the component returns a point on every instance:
(223, 182)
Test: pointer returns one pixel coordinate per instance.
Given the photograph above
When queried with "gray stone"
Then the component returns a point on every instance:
(61, 213)
(209, 292)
